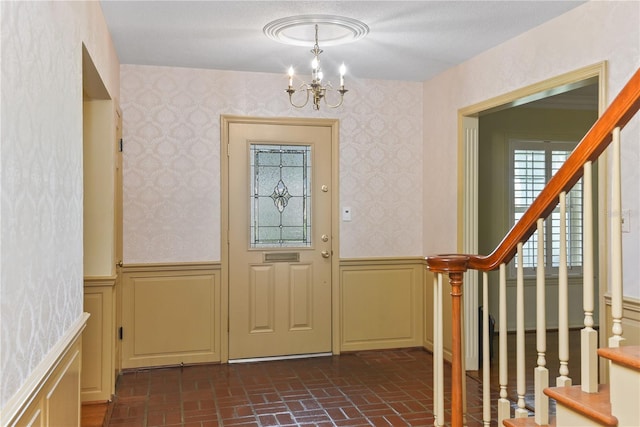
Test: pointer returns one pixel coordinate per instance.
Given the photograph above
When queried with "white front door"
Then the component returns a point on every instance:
(280, 239)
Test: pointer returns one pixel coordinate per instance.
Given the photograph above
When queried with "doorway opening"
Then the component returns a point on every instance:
(484, 144)
(102, 233)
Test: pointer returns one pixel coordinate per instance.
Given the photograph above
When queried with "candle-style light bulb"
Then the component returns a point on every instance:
(343, 71)
(290, 76)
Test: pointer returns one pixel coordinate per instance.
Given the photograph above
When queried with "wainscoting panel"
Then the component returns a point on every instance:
(630, 328)
(170, 314)
(51, 395)
(98, 340)
(630, 320)
(62, 400)
(446, 313)
(34, 417)
(381, 303)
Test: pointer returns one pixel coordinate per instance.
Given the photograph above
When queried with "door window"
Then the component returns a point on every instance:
(280, 197)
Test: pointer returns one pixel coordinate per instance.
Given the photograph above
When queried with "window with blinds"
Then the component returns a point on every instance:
(533, 163)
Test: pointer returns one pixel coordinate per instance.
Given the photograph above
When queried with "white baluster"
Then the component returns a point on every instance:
(438, 351)
(521, 384)
(588, 335)
(563, 299)
(504, 407)
(486, 353)
(541, 373)
(616, 244)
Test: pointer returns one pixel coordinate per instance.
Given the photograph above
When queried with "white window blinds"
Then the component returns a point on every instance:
(533, 163)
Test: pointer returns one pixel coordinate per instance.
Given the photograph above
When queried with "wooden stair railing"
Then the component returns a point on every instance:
(594, 143)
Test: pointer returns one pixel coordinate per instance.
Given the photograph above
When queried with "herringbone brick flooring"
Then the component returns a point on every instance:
(380, 388)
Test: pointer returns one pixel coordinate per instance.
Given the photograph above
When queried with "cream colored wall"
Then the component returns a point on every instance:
(495, 130)
(98, 188)
(172, 160)
(41, 176)
(588, 34)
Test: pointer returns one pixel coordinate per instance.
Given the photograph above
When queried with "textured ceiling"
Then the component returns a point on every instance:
(408, 40)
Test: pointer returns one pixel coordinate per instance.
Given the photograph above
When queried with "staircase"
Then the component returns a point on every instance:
(616, 403)
(620, 397)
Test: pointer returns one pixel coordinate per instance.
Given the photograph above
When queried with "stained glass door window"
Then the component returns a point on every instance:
(280, 195)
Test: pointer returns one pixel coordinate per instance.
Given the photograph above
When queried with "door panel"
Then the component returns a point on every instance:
(301, 301)
(262, 298)
(279, 239)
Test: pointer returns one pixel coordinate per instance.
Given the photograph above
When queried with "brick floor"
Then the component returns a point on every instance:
(378, 388)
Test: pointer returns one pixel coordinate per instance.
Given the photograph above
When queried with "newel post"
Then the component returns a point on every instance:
(454, 266)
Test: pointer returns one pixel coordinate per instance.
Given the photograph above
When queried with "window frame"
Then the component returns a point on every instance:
(548, 146)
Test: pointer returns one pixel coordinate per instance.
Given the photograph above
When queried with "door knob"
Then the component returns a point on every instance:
(325, 254)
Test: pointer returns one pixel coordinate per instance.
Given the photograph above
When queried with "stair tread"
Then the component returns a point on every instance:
(527, 422)
(627, 355)
(596, 406)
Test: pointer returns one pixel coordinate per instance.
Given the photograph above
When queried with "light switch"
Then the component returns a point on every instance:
(346, 214)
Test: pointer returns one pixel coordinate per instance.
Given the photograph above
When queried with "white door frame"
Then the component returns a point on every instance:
(468, 197)
(470, 237)
(225, 120)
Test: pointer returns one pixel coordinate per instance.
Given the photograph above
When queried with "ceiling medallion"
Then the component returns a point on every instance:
(303, 31)
(300, 30)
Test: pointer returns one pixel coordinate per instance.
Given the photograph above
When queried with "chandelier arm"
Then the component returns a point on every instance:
(342, 92)
(292, 91)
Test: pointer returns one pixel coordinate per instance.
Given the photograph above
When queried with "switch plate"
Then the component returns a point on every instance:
(346, 214)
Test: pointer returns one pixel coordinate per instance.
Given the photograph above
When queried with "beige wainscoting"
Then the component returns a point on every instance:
(630, 320)
(381, 303)
(98, 339)
(50, 397)
(429, 310)
(171, 314)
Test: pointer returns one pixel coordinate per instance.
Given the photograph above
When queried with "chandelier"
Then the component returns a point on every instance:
(317, 90)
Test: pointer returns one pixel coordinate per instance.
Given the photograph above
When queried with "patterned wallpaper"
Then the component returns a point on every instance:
(586, 35)
(41, 176)
(171, 123)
